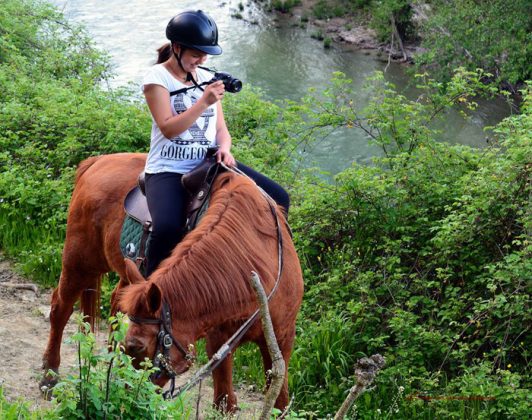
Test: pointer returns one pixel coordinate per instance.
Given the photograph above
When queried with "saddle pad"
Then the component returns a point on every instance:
(131, 241)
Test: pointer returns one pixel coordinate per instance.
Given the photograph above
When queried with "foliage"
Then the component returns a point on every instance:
(382, 12)
(422, 256)
(108, 386)
(17, 410)
(53, 114)
(495, 36)
(284, 5)
(326, 9)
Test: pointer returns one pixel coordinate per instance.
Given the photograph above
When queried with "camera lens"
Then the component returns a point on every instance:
(233, 86)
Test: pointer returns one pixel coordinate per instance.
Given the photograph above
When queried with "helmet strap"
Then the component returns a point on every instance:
(189, 77)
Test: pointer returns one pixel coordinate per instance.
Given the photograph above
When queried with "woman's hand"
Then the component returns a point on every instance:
(224, 155)
(214, 92)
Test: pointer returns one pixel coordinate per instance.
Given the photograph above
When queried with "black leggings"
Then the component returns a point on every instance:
(167, 203)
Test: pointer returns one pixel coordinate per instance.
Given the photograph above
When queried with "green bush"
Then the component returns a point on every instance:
(108, 386)
(285, 5)
(424, 258)
(382, 12)
(491, 35)
(17, 410)
(53, 114)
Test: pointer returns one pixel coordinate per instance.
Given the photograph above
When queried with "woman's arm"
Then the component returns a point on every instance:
(223, 138)
(158, 100)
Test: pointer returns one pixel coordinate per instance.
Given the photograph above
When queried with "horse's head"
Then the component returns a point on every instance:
(151, 333)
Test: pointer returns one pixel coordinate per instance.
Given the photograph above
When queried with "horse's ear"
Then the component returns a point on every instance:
(132, 272)
(154, 298)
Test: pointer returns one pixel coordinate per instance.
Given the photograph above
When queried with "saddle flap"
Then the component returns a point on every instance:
(205, 172)
(136, 206)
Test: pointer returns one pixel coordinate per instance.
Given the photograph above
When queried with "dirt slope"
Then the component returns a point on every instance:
(24, 328)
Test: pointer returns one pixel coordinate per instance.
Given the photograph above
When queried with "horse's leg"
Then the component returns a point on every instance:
(224, 396)
(285, 345)
(71, 285)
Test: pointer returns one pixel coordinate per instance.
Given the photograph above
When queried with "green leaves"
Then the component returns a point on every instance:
(107, 385)
(429, 252)
(494, 36)
(53, 114)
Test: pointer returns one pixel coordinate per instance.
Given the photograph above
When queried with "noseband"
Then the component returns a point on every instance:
(165, 340)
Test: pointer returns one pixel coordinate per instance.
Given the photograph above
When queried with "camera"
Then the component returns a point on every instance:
(231, 83)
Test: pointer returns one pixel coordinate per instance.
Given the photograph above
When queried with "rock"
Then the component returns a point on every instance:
(45, 312)
(361, 37)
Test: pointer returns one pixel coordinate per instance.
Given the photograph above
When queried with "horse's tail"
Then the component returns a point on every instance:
(90, 298)
(84, 165)
(90, 304)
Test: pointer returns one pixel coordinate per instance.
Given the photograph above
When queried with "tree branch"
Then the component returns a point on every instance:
(25, 286)
(278, 365)
(365, 371)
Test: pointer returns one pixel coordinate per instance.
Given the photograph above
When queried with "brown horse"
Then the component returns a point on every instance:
(205, 282)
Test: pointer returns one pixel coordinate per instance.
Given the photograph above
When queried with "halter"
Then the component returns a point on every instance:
(165, 340)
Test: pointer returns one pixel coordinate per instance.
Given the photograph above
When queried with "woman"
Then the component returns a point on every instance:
(184, 126)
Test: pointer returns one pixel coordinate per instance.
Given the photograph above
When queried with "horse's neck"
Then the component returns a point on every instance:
(203, 310)
(207, 277)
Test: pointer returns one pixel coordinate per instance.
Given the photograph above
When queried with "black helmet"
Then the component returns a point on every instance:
(194, 29)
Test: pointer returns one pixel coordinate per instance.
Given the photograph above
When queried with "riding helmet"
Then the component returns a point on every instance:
(194, 29)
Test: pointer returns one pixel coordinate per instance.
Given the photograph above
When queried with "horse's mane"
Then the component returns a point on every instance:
(211, 268)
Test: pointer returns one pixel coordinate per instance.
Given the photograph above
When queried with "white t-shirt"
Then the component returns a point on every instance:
(183, 152)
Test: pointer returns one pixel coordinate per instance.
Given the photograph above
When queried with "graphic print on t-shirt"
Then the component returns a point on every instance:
(192, 143)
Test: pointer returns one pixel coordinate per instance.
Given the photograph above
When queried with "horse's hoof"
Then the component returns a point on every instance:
(47, 384)
(226, 405)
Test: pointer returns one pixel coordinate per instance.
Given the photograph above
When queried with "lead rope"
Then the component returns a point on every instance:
(230, 344)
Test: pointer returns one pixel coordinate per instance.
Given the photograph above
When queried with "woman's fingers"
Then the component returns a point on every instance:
(214, 92)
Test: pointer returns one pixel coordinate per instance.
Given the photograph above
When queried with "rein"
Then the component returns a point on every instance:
(165, 339)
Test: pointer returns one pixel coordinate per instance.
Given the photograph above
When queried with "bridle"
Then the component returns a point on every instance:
(165, 339)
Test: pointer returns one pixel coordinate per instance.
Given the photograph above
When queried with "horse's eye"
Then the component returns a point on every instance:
(135, 347)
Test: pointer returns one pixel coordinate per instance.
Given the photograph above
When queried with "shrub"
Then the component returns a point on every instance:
(108, 386)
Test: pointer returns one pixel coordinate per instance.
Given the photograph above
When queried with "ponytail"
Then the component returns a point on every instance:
(164, 53)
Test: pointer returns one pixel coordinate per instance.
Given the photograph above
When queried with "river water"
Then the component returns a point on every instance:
(267, 52)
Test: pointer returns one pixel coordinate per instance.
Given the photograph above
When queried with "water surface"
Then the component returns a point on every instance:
(265, 51)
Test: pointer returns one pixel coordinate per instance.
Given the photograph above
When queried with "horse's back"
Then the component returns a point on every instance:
(97, 208)
(99, 175)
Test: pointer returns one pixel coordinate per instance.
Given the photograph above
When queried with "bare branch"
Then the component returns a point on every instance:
(278, 365)
(24, 286)
(198, 401)
(365, 371)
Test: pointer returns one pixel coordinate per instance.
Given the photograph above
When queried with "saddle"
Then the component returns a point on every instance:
(137, 226)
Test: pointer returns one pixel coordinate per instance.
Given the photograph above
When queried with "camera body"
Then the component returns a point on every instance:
(231, 83)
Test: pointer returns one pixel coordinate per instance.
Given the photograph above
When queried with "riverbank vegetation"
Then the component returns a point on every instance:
(494, 36)
(424, 256)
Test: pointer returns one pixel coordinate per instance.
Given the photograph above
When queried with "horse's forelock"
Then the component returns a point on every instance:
(132, 299)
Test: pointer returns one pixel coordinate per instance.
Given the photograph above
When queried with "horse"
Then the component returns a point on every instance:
(204, 283)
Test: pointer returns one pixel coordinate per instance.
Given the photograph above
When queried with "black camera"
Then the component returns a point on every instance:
(231, 84)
